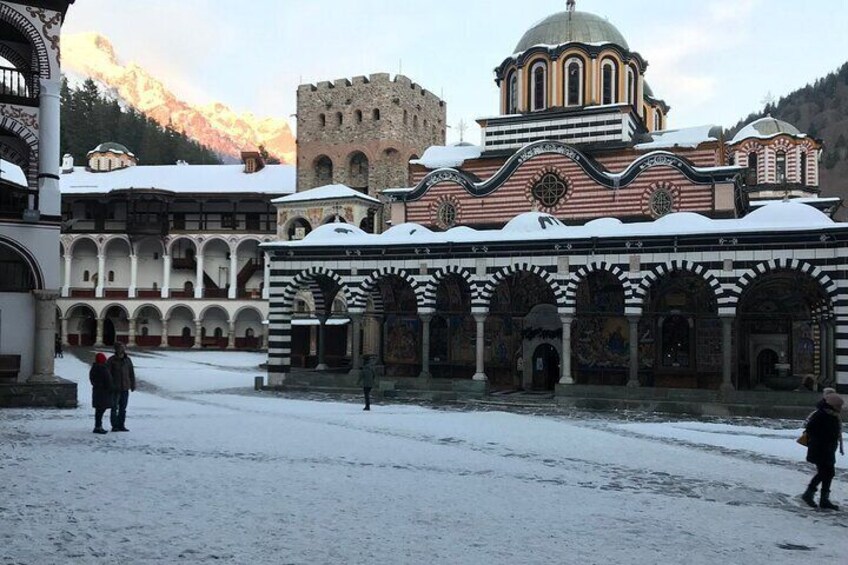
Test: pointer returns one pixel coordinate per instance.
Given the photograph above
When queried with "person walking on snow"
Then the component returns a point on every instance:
(823, 429)
(367, 378)
(825, 392)
(101, 390)
(123, 381)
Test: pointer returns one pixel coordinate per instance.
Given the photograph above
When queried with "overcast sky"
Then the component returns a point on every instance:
(713, 62)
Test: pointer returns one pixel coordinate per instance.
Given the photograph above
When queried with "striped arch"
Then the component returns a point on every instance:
(432, 288)
(658, 272)
(500, 276)
(827, 284)
(585, 271)
(368, 287)
(315, 279)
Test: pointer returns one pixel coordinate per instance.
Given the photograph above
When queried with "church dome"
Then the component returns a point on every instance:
(571, 27)
(765, 128)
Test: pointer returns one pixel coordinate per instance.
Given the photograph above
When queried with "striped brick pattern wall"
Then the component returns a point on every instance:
(587, 201)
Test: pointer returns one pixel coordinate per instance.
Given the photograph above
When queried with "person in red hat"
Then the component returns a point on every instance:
(823, 430)
(101, 395)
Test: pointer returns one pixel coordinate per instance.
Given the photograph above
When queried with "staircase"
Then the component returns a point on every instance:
(246, 272)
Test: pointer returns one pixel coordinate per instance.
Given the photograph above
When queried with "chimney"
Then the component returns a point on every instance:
(67, 163)
(253, 161)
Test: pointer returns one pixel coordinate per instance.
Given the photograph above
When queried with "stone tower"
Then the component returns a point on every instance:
(363, 132)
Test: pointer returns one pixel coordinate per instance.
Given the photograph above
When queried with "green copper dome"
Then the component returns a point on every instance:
(571, 27)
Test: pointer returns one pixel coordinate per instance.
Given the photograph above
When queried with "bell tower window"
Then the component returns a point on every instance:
(574, 83)
(512, 93)
(753, 177)
(631, 86)
(539, 87)
(804, 169)
(780, 169)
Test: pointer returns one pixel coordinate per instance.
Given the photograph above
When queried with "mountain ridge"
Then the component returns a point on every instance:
(214, 125)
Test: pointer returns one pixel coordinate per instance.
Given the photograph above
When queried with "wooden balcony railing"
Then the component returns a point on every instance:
(18, 87)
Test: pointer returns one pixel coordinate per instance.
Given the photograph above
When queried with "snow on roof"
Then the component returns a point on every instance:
(824, 200)
(776, 217)
(448, 156)
(689, 138)
(111, 147)
(272, 179)
(766, 128)
(328, 192)
(12, 173)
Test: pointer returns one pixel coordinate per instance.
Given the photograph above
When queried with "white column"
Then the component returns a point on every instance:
(198, 334)
(231, 293)
(198, 285)
(727, 353)
(66, 288)
(565, 363)
(101, 275)
(231, 336)
(322, 338)
(164, 342)
(480, 374)
(356, 347)
(133, 275)
(45, 332)
(49, 198)
(166, 276)
(425, 344)
(64, 335)
(266, 287)
(633, 380)
(131, 333)
(98, 340)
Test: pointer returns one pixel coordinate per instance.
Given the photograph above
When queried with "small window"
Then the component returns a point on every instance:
(186, 332)
(550, 190)
(753, 174)
(405, 117)
(248, 332)
(322, 120)
(86, 276)
(574, 83)
(609, 79)
(188, 286)
(661, 202)
(179, 220)
(375, 115)
(539, 86)
(804, 168)
(155, 255)
(339, 118)
(358, 116)
(155, 286)
(415, 122)
(512, 93)
(144, 331)
(228, 220)
(780, 176)
(446, 215)
(111, 276)
(219, 333)
(631, 86)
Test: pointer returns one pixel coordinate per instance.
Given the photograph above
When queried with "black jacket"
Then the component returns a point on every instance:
(823, 431)
(100, 378)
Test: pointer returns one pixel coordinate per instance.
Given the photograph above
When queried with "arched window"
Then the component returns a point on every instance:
(753, 176)
(375, 115)
(111, 276)
(405, 117)
(631, 86)
(188, 287)
(657, 120)
(358, 116)
(608, 82)
(780, 169)
(15, 272)
(538, 86)
(248, 332)
(219, 333)
(85, 276)
(414, 122)
(358, 171)
(322, 120)
(186, 331)
(804, 168)
(339, 118)
(574, 82)
(323, 170)
(512, 93)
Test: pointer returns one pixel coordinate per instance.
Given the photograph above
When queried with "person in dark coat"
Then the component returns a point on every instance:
(367, 378)
(101, 390)
(123, 381)
(824, 427)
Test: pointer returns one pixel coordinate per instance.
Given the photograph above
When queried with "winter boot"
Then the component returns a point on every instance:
(825, 502)
(100, 431)
(809, 497)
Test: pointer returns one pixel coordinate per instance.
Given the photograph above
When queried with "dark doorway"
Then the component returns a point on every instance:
(545, 367)
(767, 365)
(108, 332)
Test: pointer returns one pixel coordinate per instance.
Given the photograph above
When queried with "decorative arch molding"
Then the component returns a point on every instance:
(14, 156)
(359, 297)
(107, 307)
(244, 309)
(170, 313)
(828, 286)
(489, 287)
(310, 279)
(170, 242)
(137, 312)
(553, 53)
(650, 279)
(586, 271)
(203, 242)
(23, 123)
(78, 305)
(71, 243)
(13, 56)
(211, 307)
(598, 173)
(105, 243)
(432, 287)
(40, 51)
(29, 259)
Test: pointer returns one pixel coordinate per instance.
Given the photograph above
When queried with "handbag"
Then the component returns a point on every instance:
(803, 439)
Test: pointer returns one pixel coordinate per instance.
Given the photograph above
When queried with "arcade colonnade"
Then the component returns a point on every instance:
(736, 318)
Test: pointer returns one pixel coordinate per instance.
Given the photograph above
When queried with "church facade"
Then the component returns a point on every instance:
(584, 242)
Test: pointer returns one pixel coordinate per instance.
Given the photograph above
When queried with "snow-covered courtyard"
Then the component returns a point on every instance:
(214, 472)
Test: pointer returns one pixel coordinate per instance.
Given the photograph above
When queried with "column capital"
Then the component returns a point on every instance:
(566, 318)
(634, 318)
(480, 317)
(425, 316)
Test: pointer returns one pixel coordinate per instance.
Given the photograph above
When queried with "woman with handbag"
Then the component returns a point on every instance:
(823, 429)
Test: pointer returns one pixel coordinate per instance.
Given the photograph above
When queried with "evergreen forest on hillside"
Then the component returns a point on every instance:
(821, 111)
(90, 118)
